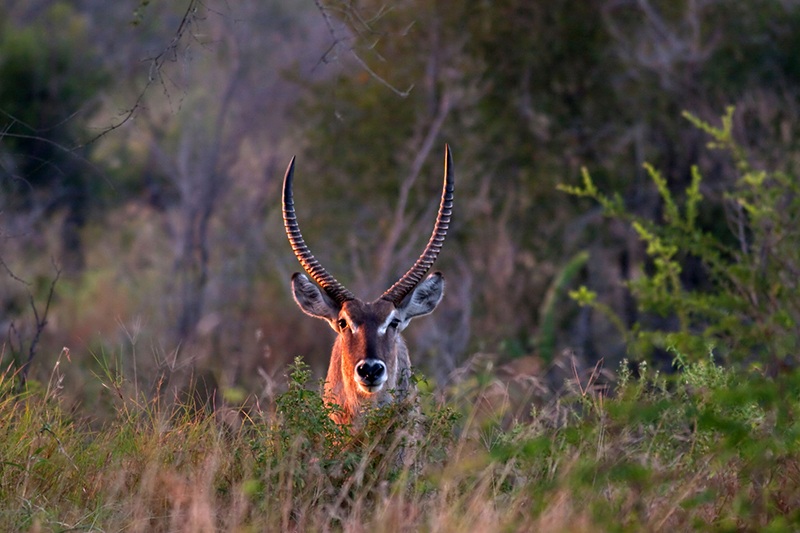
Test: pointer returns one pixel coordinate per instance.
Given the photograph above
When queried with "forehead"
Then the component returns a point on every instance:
(363, 312)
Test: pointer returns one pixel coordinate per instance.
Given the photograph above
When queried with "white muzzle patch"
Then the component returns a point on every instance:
(370, 375)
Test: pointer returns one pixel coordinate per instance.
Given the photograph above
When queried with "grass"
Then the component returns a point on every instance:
(707, 449)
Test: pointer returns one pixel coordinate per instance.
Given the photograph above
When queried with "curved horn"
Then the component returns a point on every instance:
(333, 288)
(410, 279)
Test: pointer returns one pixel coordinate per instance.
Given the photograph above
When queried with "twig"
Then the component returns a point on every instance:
(398, 225)
(338, 41)
(11, 274)
(40, 322)
(156, 63)
(154, 75)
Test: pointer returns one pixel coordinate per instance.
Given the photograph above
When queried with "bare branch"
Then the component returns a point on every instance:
(155, 75)
(40, 323)
(11, 274)
(398, 220)
(340, 42)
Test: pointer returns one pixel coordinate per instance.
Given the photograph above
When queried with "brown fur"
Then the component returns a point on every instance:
(350, 348)
(368, 334)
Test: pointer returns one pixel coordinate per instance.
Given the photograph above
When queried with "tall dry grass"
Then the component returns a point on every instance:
(710, 449)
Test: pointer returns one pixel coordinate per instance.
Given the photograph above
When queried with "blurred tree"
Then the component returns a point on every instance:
(212, 141)
(525, 89)
(51, 80)
(525, 92)
(535, 91)
(375, 125)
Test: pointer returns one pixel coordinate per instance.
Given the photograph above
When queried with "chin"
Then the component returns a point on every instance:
(370, 390)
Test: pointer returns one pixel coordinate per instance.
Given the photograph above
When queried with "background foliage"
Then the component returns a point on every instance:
(149, 173)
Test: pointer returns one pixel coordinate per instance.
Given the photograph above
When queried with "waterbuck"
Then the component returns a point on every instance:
(369, 357)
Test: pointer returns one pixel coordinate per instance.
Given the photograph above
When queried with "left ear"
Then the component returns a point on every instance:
(313, 301)
(423, 299)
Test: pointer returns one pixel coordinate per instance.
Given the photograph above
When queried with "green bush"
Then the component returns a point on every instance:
(750, 308)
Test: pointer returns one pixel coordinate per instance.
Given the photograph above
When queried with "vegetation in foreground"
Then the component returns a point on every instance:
(706, 448)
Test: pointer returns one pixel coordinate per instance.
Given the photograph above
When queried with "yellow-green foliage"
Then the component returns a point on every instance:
(750, 307)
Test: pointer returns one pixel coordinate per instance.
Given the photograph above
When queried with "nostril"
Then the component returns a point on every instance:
(370, 371)
(362, 370)
(377, 370)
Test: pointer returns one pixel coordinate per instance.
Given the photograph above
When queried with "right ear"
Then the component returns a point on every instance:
(313, 301)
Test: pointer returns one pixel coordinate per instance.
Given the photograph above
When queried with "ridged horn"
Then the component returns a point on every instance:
(310, 264)
(410, 279)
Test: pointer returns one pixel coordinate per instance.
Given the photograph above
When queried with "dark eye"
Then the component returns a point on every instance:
(394, 323)
(342, 324)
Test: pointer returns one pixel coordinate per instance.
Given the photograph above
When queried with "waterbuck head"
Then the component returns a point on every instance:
(369, 356)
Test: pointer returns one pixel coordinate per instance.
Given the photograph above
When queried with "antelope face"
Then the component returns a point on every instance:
(369, 338)
(368, 344)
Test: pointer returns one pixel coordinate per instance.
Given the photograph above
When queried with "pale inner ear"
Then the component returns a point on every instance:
(422, 301)
(313, 301)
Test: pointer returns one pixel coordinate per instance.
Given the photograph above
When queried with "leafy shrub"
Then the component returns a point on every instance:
(708, 447)
(750, 309)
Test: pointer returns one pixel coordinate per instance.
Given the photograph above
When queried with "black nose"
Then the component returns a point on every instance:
(370, 371)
